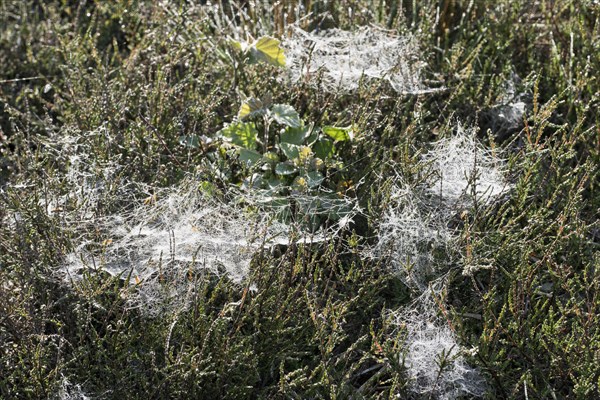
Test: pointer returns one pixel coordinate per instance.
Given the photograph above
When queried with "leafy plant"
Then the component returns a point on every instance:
(290, 159)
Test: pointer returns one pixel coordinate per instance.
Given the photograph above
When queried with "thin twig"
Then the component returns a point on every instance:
(33, 78)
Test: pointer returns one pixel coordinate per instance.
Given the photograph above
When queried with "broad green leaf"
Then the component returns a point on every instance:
(323, 149)
(291, 151)
(241, 134)
(314, 179)
(327, 205)
(338, 134)
(267, 49)
(309, 205)
(335, 207)
(295, 135)
(275, 183)
(251, 107)
(192, 141)
(280, 205)
(286, 115)
(250, 157)
(285, 168)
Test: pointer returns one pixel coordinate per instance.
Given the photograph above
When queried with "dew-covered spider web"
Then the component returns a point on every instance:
(414, 233)
(162, 240)
(339, 60)
(463, 169)
(435, 362)
(162, 243)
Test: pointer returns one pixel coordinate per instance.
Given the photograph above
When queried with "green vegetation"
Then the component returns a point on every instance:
(402, 274)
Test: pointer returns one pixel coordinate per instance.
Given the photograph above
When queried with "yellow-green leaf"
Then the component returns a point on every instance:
(338, 134)
(267, 49)
(241, 134)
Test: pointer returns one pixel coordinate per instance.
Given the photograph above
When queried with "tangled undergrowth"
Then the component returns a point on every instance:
(299, 199)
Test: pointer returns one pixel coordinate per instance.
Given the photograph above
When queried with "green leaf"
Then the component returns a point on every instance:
(314, 179)
(191, 141)
(267, 49)
(336, 208)
(285, 168)
(250, 157)
(241, 134)
(291, 151)
(323, 149)
(286, 115)
(251, 107)
(295, 135)
(275, 183)
(280, 205)
(338, 134)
